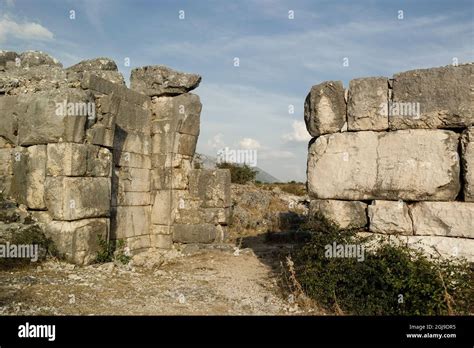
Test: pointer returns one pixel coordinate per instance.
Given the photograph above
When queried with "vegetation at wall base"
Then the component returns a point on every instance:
(393, 279)
(110, 251)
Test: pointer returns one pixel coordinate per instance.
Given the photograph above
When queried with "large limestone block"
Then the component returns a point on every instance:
(100, 135)
(161, 241)
(91, 81)
(437, 246)
(29, 174)
(130, 221)
(132, 141)
(451, 219)
(163, 209)
(133, 117)
(78, 241)
(444, 96)
(180, 113)
(103, 67)
(367, 104)
(127, 179)
(201, 233)
(45, 121)
(6, 161)
(390, 217)
(160, 80)
(407, 165)
(211, 186)
(185, 144)
(74, 198)
(467, 160)
(99, 161)
(66, 159)
(325, 108)
(11, 109)
(164, 143)
(130, 159)
(71, 159)
(346, 214)
(131, 198)
(138, 244)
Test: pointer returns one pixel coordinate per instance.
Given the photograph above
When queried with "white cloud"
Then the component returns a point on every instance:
(249, 143)
(299, 133)
(275, 154)
(9, 28)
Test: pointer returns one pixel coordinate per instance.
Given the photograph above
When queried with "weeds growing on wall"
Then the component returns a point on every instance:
(391, 280)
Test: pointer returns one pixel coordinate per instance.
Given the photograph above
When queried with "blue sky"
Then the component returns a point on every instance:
(280, 58)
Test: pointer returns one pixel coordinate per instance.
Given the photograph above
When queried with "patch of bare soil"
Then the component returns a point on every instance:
(211, 281)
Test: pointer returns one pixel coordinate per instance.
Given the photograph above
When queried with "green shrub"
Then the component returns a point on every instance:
(392, 279)
(112, 251)
(239, 174)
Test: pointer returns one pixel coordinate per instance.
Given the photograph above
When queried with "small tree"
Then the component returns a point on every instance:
(239, 174)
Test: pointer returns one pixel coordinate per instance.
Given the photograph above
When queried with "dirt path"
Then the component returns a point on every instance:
(212, 281)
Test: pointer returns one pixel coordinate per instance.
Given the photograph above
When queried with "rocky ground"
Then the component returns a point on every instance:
(241, 277)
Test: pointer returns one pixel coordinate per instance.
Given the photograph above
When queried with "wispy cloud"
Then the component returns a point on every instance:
(23, 30)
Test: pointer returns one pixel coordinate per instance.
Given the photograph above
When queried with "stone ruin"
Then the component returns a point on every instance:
(90, 158)
(396, 156)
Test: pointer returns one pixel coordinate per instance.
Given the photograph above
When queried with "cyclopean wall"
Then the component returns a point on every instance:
(121, 170)
(396, 156)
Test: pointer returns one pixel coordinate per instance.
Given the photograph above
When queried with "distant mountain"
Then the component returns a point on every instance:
(209, 162)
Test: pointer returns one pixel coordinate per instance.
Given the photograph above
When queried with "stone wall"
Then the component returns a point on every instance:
(90, 158)
(396, 156)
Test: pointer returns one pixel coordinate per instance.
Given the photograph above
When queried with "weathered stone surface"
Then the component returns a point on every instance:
(160, 80)
(6, 160)
(170, 112)
(202, 233)
(325, 108)
(437, 246)
(131, 198)
(130, 221)
(98, 84)
(137, 244)
(131, 117)
(367, 104)
(443, 94)
(164, 143)
(467, 160)
(185, 144)
(166, 178)
(130, 159)
(211, 186)
(102, 67)
(164, 204)
(346, 214)
(450, 219)
(29, 59)
(29, 173)
(11, 108)
(390, 217)
(7, 57)
(100, 135)
(99, 161)
(127, 179)
(193, 215)
(71, 159)
(161, 241)
(74, 198)
(132, 141)
(78, 241)
(66, 159)
(407, 165)
(44, 122)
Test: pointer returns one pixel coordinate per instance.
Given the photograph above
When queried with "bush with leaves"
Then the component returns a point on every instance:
(393, 279)
(239, 174)
(112, 251)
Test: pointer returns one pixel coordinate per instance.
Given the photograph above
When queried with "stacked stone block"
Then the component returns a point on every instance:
(179, 212)
(397, 157)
